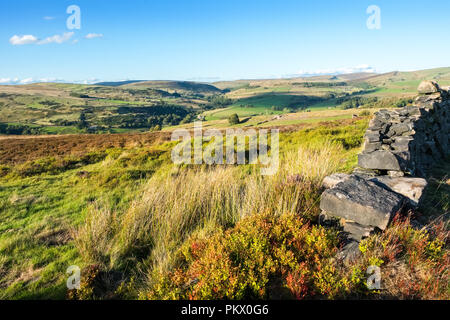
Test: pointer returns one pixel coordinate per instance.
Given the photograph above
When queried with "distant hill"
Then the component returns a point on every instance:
(441, 75)
(117, 83)
(141, 104)
(176, 86)
(287, 81)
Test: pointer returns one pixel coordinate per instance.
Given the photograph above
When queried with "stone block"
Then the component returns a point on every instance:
(411, 188)
(362, 201)
(380, 160)
(332, 180)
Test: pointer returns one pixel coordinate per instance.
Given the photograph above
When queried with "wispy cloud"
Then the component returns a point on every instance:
(17, 81)
(5, 80)
(26, 81)
(337, 71)
(57, 38)
(93, 35)
(49, 18)
(30, 39)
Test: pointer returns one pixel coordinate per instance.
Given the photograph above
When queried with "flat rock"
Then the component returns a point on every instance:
(362, 201)
(411, 188)
(379, 160)
(372, 146)
(402, 143)
(332, 180)
(372, 136)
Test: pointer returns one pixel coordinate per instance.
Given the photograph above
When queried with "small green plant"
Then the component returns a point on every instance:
(234, 119)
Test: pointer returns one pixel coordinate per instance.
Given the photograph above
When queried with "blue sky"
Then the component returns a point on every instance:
(208, 40)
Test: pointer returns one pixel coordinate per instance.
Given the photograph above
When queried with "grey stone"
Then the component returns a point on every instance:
(411, 188)
(376, 124)
(332, 180)
(361, 201)
(372, 136)
(372, 146)
(381, 160)
(402, 143)
(412, 111)
(400, 128)
(356, 231)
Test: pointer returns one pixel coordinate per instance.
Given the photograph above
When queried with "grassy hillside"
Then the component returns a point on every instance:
(65, 108)
(117, 206)
(256, 97)
(178, 86)
(136, 106)
(45, 201)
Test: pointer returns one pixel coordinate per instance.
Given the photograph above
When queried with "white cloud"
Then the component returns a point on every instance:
(49, 18)
(345, 70)
(26, 81)
(88, 81)
(30, 39)
(57, 38)
(93, 35)
(17, 81)
(21, 40)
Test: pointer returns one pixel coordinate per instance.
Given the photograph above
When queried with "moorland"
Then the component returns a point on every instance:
(86, 179)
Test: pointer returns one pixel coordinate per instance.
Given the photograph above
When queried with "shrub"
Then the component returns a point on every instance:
(414, 262)
(234, 119)
(245, 261)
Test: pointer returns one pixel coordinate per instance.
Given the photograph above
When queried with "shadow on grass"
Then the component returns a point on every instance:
(436, 198)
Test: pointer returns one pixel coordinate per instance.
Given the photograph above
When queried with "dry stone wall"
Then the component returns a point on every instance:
(409, 140)
(400, 148)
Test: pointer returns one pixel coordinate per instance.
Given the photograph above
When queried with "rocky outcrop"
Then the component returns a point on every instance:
(400, 148)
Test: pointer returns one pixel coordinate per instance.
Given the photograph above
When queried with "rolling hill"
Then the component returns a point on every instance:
(133, 105)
